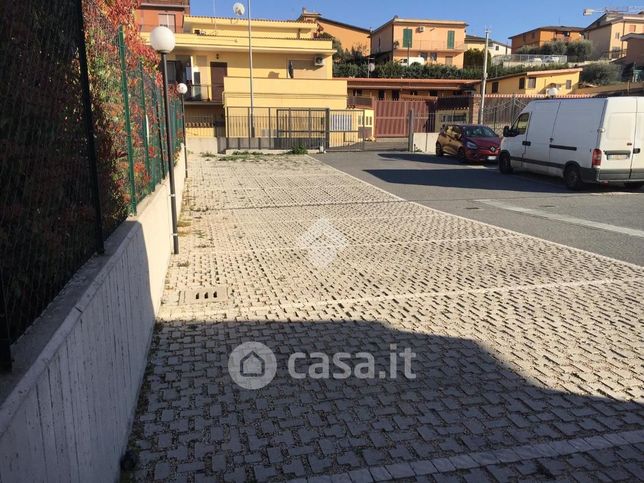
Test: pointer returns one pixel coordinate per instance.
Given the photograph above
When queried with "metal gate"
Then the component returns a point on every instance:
(347, 129)
(392, 117)
(284, 128)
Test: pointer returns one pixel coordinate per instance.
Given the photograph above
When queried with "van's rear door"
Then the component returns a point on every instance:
(618, 139)
(637, 162)
(537, 143)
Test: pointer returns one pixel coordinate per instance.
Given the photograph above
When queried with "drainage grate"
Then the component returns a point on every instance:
(204, 295)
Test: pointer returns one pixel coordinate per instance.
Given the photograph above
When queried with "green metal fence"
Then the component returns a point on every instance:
(143, 109)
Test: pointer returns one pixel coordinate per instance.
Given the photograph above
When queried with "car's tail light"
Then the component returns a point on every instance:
(597, 158)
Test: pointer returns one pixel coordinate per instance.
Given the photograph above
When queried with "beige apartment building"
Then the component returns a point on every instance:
(607, 33)
(433, 41)
(349, 36)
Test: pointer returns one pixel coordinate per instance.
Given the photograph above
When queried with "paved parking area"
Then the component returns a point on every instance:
(528, 353)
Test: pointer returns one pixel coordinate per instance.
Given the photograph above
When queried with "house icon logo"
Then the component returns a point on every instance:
(323, 242)
(252, 365)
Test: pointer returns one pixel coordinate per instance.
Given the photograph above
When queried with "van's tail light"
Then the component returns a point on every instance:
(597, 158)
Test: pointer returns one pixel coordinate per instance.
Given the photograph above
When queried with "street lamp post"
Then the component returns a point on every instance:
(182, 89)
(163, 41)
(484, 82)
(238, 8)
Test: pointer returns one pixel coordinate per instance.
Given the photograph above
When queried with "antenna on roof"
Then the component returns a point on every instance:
(622, 10)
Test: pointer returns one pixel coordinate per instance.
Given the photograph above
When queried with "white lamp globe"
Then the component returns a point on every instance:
(162, 40)
(182, 88)
(239, 9)
(552, 92)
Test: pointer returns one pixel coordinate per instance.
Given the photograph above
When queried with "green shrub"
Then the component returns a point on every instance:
(601, 74)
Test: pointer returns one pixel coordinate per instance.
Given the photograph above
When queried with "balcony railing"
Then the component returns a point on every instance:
(360, 101)
(205, 93)
(529, 59)
(430, 45)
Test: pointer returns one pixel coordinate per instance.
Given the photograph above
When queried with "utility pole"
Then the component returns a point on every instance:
(484, 82)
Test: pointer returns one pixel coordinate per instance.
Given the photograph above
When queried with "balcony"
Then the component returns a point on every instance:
(203, 93)
(431, 46)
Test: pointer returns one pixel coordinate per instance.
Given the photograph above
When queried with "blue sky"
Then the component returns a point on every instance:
(505, 18)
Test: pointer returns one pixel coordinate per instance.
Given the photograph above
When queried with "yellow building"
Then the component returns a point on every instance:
(291, 68)
(435, 41)
(535, 83)
(349, 36)
(542, 35)
(494, 48)
(607, 33)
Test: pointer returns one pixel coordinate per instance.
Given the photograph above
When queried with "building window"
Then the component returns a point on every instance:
(568, 84)
(495, 87)
(632, 28)
(433, 56)
(617, 35)
(532, 82)
(167, 20)
(381, 95)
(395, 95)
(449, 60)
(522, 83)
(496, 47)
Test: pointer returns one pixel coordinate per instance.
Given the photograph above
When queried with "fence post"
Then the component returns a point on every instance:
(410, 133)
(89, 127)
(270, 132)
(158, 101)
(145, 127)
(128, 126)
(6, 360)
(327, 129)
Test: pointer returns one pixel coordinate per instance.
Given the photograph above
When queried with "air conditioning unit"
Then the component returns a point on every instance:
(421, 28)
(318, 61)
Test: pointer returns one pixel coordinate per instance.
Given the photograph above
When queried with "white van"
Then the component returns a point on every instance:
(581, 140)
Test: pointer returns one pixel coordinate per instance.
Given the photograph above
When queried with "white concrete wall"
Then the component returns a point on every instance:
(202, 144)
(69, 416)
(425, 142)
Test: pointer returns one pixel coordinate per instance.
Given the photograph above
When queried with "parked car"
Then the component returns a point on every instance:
(581, 140)
(468, 142)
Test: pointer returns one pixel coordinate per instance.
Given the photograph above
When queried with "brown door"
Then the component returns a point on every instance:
(218, 70)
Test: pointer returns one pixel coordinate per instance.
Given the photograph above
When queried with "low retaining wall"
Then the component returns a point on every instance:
(425, 142)
(69, 415)
(203, 144)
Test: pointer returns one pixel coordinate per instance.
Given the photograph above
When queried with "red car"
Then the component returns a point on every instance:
(472, 142)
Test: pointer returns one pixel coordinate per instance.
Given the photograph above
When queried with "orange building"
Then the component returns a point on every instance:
(350, 36)
(170, 13)
(433, 41)
(362, 91)
(542, 35)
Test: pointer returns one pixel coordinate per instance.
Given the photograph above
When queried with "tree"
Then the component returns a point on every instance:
(474, 59)
(557, 47)
(601, 74)
(579, 51)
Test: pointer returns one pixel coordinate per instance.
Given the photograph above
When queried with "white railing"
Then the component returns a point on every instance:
(529, 59)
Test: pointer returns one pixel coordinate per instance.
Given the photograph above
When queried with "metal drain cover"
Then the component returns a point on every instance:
(204, 295)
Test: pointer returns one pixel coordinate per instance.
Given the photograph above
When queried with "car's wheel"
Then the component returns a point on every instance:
(572, 177)
(439, 150)
(505, 164)
(461, 155)
(634, 185)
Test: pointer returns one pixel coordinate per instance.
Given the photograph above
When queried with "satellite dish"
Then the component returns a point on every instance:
(552, 92)
(239, 9)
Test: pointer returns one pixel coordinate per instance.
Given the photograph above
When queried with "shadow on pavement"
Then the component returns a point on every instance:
(463, 401)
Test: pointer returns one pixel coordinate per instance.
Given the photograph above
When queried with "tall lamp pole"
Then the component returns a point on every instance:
(238, 8)
(182, 89)
(484, 83)
(163, 41)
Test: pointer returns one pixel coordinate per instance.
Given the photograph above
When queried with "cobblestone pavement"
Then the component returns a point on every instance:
(529, 354)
